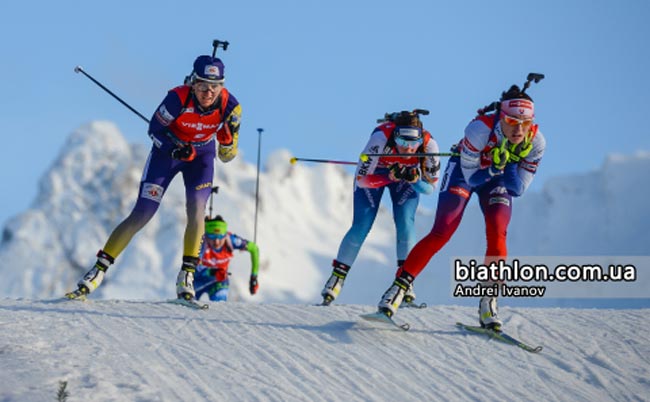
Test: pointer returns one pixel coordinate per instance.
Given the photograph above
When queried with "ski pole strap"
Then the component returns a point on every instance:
(294, 160)
(364, 157)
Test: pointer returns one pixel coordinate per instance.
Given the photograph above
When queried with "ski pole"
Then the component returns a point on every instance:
(257, 180)
(364, 157)
(78, 69)
(294, 160)
(172, 138)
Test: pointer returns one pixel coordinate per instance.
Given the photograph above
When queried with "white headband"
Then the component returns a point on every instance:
(514, 107)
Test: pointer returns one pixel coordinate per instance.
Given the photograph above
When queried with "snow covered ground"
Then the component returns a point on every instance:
(120, 350)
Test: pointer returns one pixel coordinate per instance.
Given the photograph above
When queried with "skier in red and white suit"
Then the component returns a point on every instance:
(499, 156)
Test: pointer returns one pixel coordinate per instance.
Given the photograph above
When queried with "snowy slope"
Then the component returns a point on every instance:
(305, 210)
(123, 350)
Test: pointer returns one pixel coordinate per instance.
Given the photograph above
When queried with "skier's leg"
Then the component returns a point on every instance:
(452, 201)
(197, 176)
(449, 213)
(219, 290)
(158, 173)
(366, 205)
(405, 203)
(496, 205)
(159, 170)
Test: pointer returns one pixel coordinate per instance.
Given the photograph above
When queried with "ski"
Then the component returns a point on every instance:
(500, 336)
(82, 296)
(380, 317)
(189, 303)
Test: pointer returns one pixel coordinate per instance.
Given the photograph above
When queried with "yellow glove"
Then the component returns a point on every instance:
(519, 151)
(500, 156)
(228, 152)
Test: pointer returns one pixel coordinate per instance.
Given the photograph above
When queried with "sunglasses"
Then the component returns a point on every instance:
(408, 143)
(513, 121)
(216, 236)
(408, 137)
(203, 86)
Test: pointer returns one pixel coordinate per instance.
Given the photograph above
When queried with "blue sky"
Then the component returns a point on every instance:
(316, 75)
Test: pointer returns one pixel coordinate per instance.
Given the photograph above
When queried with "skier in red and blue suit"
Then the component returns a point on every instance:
(404, 177)
(183, 129)
(216, 252)
(499, 156)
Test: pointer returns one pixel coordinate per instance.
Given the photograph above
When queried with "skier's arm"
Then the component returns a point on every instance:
(476, 137)
(365, 174)
(430, 168)
(165, 114)
(253, 285)
(242, 244)
(518, 176)
(252, 248)
(228, 133)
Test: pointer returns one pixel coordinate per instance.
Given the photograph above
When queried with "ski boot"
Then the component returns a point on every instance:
(334, 284)
(392, 298)
(487, 313)
(93, 278)
(185, 279)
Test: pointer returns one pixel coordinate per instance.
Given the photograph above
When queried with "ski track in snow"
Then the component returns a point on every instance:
(110, 350)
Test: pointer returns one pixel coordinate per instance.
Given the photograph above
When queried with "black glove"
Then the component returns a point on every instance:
(400, 172)
(411, 175)
(253, 285)
(185, 153)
